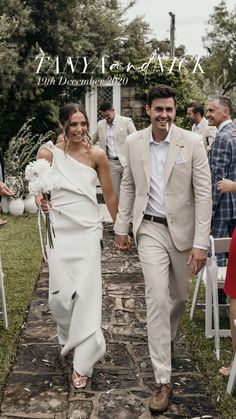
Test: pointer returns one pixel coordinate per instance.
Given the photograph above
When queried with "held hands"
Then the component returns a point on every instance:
(5, 191)
(122, 242)
(197, 259)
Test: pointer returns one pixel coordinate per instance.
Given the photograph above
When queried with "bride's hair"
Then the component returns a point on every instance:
(65, 115)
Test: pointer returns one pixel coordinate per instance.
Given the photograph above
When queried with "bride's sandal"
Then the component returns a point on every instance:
(225, 371)
(79, 381)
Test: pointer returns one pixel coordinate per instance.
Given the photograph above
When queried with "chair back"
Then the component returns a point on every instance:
(219, 245)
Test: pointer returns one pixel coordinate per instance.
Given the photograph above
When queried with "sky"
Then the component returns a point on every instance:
(191, 18)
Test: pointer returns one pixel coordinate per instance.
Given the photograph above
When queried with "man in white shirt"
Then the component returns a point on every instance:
(111, 133)
(195, 114)
(166, 187)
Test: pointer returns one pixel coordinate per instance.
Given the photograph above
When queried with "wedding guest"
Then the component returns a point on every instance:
(166, 186)
(195, 114)
(228, 186)
(111, 133)
(222, 162)
(5, 191)
(75, 287)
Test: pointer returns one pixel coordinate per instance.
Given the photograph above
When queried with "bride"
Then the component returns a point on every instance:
(75, 286)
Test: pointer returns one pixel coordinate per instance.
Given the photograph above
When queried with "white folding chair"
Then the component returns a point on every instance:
(3, 305)
(213, 277)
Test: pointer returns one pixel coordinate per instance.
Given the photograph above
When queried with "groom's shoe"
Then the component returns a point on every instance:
(159, 400)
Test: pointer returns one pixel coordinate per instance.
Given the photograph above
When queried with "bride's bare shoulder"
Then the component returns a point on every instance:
(97, 152)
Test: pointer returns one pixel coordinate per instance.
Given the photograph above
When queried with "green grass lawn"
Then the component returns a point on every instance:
(21, 260)
(202, 353)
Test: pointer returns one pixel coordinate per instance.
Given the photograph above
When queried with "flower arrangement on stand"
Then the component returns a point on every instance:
(21, 150)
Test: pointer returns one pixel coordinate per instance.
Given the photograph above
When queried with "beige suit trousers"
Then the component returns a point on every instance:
(167, 284)
(116, 174)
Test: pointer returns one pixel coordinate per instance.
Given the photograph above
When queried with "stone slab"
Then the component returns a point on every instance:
(38, 394)
(38, 358)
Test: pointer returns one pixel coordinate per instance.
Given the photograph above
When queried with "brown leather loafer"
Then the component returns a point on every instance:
(160, 398)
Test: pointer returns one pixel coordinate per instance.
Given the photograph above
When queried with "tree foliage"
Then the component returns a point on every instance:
(13, 27)
(220, 41)
(84, 28)
(163, 47)
(90, 28)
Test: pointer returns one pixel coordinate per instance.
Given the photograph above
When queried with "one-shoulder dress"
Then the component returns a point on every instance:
(75, 285)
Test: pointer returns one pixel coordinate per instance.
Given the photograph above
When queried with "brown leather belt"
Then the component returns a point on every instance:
(155, 219)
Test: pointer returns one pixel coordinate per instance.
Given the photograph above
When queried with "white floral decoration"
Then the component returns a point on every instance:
(40, 175)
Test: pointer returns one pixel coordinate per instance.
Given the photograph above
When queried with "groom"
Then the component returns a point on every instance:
(166, 188)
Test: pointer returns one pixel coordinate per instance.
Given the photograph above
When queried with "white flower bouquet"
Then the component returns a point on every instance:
(41, 180)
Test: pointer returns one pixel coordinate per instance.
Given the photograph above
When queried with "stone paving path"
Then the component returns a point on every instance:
(39, 385)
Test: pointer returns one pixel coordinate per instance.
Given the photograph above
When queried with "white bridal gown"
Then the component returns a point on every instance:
(75, 286)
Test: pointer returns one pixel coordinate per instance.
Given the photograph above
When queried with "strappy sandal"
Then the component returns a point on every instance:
(79, 381)
(225, 371)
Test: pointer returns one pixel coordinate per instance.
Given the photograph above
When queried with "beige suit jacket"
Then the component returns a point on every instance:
(187, 193)
(123, 127)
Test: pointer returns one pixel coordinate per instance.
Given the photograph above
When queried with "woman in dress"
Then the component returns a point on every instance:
(75, 286)
(225, 186)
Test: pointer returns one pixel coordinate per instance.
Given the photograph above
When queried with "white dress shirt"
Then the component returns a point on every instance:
(110, 143)
(158, 152)
(198, 128)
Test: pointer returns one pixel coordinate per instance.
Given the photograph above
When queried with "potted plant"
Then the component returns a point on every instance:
(22, 149)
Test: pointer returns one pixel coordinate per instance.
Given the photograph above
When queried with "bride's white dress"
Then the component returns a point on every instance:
(75, 286)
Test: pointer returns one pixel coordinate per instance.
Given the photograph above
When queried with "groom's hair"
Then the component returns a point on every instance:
(161, 91)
